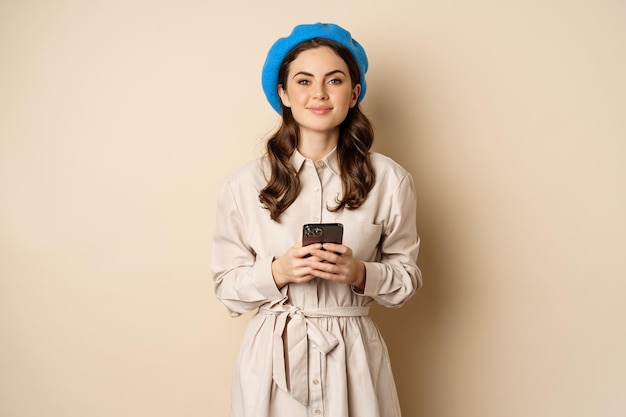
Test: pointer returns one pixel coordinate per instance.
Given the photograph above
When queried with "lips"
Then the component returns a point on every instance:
(319, 110)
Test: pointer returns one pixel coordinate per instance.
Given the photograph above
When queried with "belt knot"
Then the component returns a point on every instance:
(292, 332)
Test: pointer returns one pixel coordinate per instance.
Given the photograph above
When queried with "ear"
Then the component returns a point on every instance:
(356, 92)
(284, 97)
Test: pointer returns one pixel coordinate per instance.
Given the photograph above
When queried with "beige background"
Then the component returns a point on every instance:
(119, 120)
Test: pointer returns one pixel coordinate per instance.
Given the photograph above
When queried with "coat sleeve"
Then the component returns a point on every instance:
(242, 281)
(396, 277)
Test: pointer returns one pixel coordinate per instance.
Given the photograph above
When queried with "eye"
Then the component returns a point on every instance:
(335, 81)
(303, 81)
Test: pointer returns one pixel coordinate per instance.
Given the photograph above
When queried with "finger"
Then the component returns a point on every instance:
(310, 261)
(332, 257)
(303, 274)
(337, 248)
(325, 255)
(304, 279)
(326, 267)
(328, 275)
(308, 250)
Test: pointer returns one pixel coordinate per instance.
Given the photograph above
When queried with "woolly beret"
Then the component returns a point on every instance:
(301, 33)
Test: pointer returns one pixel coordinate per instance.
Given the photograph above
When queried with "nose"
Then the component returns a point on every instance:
(320, 92)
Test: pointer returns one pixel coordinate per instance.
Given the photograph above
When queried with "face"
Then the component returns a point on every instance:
(319, 90)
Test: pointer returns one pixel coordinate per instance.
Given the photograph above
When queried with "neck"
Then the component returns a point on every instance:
(316, 145)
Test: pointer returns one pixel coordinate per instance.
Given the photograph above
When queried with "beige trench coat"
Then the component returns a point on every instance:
(311, 349)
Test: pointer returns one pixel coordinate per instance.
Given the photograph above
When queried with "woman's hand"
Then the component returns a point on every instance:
(293, 266)
(335, 263)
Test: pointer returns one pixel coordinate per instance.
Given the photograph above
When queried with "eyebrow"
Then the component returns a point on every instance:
(308, 74)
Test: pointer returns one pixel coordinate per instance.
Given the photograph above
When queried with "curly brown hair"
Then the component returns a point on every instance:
(356, 136)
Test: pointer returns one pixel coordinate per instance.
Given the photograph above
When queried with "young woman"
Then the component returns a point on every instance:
(311, 349)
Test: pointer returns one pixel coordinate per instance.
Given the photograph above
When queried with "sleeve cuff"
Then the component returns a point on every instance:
(373, 280)
(264, 281)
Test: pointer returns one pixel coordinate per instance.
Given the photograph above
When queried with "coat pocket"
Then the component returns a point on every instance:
(363, 239)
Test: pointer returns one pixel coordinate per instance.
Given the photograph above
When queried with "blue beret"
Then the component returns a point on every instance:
(302, 33)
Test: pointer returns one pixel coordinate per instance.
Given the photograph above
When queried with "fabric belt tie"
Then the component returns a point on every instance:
(292, 332)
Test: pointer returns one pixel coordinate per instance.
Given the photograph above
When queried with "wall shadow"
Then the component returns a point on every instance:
(411, 332)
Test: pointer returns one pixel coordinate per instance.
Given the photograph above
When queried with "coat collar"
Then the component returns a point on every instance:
(331, 161)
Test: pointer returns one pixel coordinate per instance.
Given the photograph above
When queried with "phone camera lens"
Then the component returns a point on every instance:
(313, 231)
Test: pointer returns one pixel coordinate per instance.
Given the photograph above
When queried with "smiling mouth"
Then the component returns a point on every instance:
(320, 110)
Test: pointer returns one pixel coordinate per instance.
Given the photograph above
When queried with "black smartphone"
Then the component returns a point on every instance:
(322, 233)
